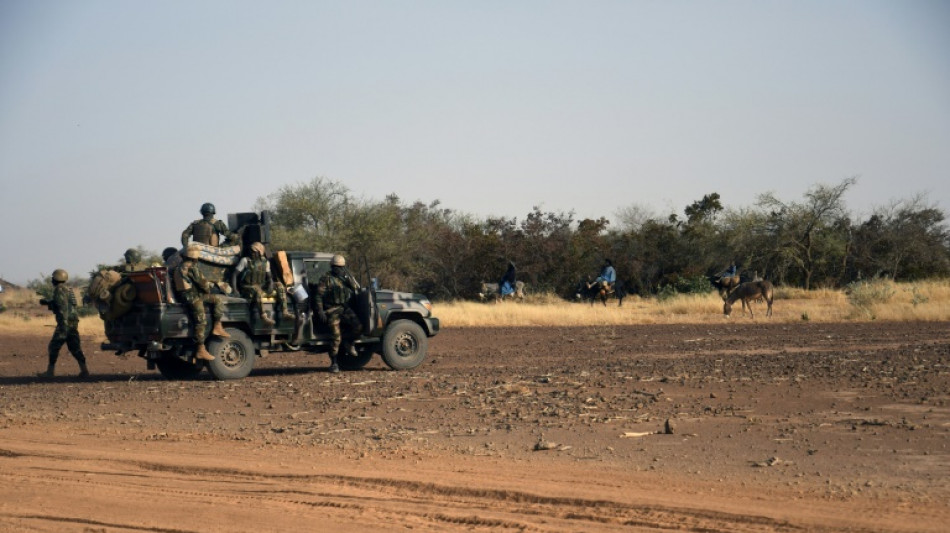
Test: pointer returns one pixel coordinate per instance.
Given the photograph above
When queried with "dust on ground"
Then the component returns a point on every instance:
(744, 426)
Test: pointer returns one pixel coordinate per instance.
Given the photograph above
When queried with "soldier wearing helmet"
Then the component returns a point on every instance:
(133, 261)
(207, 229)
(332, 301)
(254, 280)
(63, 305)
(195, 291)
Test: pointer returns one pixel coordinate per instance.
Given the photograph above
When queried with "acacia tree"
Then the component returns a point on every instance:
(805, 232)
(907, 239)
(309, 215)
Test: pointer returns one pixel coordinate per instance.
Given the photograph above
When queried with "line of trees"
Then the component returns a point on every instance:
(813, 242)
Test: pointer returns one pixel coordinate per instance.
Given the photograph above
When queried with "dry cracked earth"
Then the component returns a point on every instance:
(745, 426)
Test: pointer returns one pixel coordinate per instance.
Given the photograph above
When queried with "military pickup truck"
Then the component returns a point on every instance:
(157, 326)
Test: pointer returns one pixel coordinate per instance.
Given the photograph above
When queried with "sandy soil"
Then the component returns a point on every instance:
(747, 426)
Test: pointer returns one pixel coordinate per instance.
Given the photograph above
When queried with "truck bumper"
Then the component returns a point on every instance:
(432, 325)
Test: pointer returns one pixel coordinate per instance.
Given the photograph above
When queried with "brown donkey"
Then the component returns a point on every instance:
(748, 292)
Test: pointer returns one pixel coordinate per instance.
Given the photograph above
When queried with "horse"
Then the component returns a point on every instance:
(491, 290)
(749, 292)
(592, 290)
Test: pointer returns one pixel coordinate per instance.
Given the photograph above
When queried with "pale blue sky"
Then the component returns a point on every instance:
(118, 119)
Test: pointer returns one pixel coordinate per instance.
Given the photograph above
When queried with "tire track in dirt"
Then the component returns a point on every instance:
(391, 499)
(85, 522)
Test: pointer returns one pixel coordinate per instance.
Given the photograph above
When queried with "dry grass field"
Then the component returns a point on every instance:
(878, 300)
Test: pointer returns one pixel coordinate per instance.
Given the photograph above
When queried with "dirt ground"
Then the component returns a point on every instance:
(744, 426)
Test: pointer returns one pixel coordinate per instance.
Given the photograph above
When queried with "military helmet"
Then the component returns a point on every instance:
(257, 247)
(192, 252)
(207, 208)
(168, 252)
(132, 256)
(60, 275)
(338, 261)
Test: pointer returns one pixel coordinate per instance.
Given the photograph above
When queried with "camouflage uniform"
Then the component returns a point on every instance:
(63, 305)
(206, 231)
(334, 292)
(195, 291)
(255, 282)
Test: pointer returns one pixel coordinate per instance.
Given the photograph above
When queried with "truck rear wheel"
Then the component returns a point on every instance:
(175, 369)
(404, 345)
(233, 356)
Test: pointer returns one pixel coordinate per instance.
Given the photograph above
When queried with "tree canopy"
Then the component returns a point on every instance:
(446, 254)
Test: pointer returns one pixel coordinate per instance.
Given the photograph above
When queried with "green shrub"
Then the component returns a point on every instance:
(666, 292)
(863, 295)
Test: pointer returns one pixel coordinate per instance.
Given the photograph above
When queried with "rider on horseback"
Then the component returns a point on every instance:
(729, 272)
(506, 285)
(607, 277)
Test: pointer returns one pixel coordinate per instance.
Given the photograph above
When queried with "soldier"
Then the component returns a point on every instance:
(254, 280)
(206, 229)
(171, 258)
(133, 261)
(195, 292)
(63, 305)
(332, 302)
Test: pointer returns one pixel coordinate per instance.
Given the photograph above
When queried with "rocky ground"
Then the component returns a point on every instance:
(745, 426)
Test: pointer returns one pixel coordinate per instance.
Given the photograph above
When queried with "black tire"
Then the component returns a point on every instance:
(404, 345)
(175, 369)
(348, 362)
(234, 356)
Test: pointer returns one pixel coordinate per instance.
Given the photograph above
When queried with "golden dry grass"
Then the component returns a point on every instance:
(925, 301)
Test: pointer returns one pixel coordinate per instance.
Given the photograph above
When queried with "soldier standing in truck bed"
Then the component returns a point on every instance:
(332, 302)
(254, 280)
(195, 290)
(133, 261)
(206, 229)
(63, 305)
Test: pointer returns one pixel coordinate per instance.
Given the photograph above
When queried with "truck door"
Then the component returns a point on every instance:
(366, 309)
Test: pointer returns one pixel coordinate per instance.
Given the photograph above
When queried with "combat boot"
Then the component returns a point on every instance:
(334, 367)
(287, 315)
(48, 374)
(83, 371)
(267, 321)
(203, 353)
(218, 330)
(351, 351)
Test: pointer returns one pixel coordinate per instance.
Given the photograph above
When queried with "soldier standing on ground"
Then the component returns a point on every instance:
(195, 291)
(63, 305)
(254, 280)
(332, 302)
(207, 229)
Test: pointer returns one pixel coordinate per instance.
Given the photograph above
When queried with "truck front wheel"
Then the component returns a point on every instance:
(234, 356)
(404, 345)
